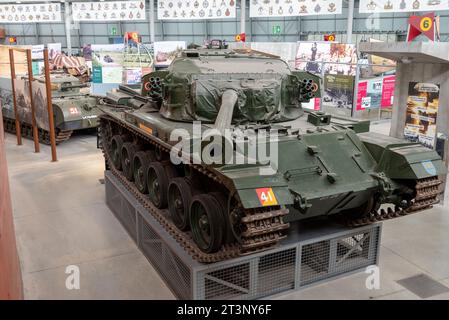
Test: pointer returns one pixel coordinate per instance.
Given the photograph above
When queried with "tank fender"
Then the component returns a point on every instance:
(410, 162)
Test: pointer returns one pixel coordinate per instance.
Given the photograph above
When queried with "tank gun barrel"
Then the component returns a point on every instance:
(224, 117)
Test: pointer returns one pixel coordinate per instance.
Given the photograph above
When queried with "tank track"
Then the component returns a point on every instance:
(427, 191)
(263, 227)
(44, 135)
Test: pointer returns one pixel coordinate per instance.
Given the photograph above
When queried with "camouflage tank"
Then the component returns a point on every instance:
(72, 109)
(218, 208)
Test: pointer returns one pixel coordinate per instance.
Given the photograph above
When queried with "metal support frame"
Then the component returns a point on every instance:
(279, 270)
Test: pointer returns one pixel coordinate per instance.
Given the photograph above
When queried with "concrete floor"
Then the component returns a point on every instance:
(61, 219)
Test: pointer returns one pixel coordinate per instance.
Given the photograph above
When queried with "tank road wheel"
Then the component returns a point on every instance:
(115, 151)
(206, 222)
(157, 181)
(179, 199)
(140, 165)
(127, 155)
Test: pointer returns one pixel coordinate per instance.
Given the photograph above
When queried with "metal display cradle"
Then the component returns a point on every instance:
(313, 252)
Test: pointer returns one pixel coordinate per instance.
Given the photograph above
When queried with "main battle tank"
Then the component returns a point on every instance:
(72, 109)
(175, 142)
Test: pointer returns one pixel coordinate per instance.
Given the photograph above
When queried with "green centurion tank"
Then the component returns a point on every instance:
(221, 152)
(72, 109)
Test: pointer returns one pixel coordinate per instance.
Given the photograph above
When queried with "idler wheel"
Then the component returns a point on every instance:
(158, 177)
(140, 166)
(115, 151)
(206, 222)
(127, 156)
(179, 200)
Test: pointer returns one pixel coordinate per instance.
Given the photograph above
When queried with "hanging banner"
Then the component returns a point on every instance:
(195, 9)
(30, 13)
(290, 8)
(422, 111)
(108, 10)
(381, 6)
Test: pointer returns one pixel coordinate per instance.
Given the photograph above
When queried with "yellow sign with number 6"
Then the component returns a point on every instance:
(426, 24)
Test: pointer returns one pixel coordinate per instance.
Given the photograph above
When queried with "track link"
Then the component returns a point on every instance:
(262, 227)
(427, 191)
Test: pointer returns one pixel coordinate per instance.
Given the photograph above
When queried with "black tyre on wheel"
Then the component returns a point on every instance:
(127, 156)
(115, 151)
(206, 222)
(179, 199)
(157, 181)
(140, 167)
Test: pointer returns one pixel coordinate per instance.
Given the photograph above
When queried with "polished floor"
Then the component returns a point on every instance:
(61, 220)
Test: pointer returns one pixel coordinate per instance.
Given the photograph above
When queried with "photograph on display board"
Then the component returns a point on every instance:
(23, 102)
(166, 51)
(309, 56)
(107, 55)
(422, 112)
(335, 58)
(338, 91)
(40, 105)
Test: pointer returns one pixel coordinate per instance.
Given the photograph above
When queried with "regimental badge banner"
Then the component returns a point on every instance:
(195, 9)
(290, 8)
(382, 6)
(108, 10)
(30, 13)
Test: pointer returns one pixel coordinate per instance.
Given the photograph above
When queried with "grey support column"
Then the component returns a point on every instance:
(152, 36)
(68, 19)
(350, 21)
(242, 16)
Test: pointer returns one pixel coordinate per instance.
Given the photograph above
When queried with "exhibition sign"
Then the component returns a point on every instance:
(290, 8)
(385, 6)
(388, 86)
(108, 10)
(375, 93)
(338, 91)
(422, 112)
(335, 58)
(195, 9)
(107, 63)
(22, 92)
(422, 25)
(30, 13)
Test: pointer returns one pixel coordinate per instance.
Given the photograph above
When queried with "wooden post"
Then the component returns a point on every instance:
(51, 121)
(33, 110)
(16, 114)
(10, 276)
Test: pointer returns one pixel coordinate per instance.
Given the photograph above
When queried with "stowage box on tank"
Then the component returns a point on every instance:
(220, 139)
